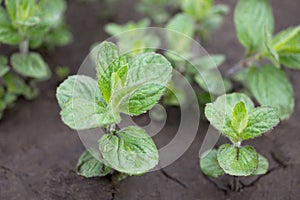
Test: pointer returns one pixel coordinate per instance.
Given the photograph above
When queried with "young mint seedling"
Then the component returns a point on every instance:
(28, 24)
(125, 85)
(267, 83)
(235, 116)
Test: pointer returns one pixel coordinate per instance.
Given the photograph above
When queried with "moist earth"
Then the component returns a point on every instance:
(38, 153)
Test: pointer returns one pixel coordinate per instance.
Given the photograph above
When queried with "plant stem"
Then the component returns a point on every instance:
(110, 128)
(23, 46)
(235, 185)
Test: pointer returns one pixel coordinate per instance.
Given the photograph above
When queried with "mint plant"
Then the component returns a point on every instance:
(158, 10)
(129, 85)
(28, 24)
(131, 36)
(235, 116)
(267, 83)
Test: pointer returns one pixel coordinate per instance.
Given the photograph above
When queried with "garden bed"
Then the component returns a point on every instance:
(39, 153)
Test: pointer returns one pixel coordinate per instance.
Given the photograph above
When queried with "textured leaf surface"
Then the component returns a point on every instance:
(239, 118)
(129, 150)
(82, 105)
(287, 44)
(219, 113)
(89, 165)
(251, 18)
(210, 165)
(148, 75)
(271, 87)
(237, 161)
(30, 65)
(262, 167)
(261, 120)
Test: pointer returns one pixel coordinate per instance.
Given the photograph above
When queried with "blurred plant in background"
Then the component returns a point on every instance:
(29, 25)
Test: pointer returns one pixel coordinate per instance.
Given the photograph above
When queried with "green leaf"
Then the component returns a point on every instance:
(60, 36)
(239, 118)
(208, 62)
(287, 41)
(198, 9)
(107, 52)
(212, 82)
(219, 113)
(210, 165)
(270, 51)
(90, 165)
(290, 60)
(17, 86)
(148, 75)
(182, 30)
(51, 11)
(261, 120)
(256, 14)
(4, 68)
(82, 104)
(287, 44)
(271, 87)
(237, 161)
(31, 65)
(8, 34)
(11, 6)
(129, 150)
(105, 79)
(262, 167)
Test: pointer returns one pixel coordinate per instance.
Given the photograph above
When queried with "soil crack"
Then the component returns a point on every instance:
(168, 176)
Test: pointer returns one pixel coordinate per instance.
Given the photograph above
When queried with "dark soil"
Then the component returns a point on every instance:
(38, 152)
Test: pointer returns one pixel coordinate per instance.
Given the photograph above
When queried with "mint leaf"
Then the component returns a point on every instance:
(262, 167)
(256, 14)
(212, 82)
(198, 9)
(290, 60)
(51, 11)
(271, 87)
(287, 45)
(90, 165)
(182, 29)
(148, 75)
(287, 40)
(239, 118)
(8, 34)
(237, 161)
(107, 53)
(208, 62)
(271, 53)
(261, 120)
(219, 113)
(31, 65)
(129, 150)
(105, 79)
(82, 105)
(209, 164)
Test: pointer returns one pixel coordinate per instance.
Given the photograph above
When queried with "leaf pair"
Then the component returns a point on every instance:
(131, 88)
(130, 150)
(235, 117)
(235, 161)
